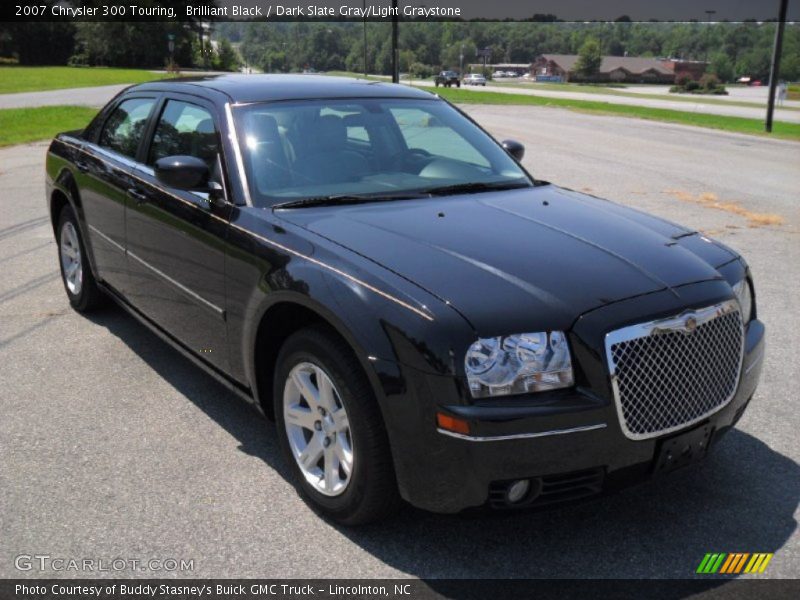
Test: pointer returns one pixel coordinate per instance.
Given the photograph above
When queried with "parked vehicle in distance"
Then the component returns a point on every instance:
(447, 79)
(420, 316)
(498, 74)
(474, 79)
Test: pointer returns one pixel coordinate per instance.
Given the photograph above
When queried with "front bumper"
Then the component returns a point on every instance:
(566, 435)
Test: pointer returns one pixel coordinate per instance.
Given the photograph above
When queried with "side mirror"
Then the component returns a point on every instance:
(183, 172)
(514, 148)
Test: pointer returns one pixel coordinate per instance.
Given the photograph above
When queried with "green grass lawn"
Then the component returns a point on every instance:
(20, 125)
(789, 131)
(33, 79)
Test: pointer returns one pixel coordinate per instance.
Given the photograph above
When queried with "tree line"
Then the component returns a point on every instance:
(116, 44)
(732, 49)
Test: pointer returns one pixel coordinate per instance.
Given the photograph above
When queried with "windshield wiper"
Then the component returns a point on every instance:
(336, 200)
(474, 187)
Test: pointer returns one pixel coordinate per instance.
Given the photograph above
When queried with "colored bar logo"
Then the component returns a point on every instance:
(734, 563)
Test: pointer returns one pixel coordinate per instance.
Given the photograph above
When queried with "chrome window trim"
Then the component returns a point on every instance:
(237, 153)
(669, 325)
(520, 436)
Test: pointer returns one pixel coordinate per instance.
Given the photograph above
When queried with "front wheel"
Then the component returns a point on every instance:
(331, 430)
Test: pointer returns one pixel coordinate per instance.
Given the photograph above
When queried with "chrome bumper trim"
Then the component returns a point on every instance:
(520, 436)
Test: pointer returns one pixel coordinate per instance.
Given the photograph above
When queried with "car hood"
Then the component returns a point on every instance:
(536, 256)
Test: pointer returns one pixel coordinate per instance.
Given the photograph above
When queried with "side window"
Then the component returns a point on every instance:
(185, 129)
(421, 131)
(123, 130)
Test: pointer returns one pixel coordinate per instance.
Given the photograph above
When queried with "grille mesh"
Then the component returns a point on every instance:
(669, 378)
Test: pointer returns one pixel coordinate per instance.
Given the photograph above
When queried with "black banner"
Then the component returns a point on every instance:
(384, 10)
(393, 589)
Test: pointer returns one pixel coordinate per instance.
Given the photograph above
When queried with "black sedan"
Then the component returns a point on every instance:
(420, 316)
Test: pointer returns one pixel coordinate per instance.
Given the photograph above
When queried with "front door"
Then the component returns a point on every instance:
(176, 239)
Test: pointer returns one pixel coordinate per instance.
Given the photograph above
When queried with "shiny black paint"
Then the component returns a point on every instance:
(409, 285)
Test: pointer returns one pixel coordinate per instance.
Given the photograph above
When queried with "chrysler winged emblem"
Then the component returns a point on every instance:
(690, 324)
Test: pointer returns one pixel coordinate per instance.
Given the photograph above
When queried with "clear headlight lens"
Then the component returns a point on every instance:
(518, 364)
(745, 298)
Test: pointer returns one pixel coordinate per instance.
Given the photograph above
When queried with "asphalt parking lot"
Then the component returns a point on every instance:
(113, 445)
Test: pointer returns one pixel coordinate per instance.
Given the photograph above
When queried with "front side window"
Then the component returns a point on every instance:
(123, 130)
(296, 150)
(185, 129)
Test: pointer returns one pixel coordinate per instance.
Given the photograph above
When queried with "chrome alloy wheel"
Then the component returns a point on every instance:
(317, 428)
(71, 258)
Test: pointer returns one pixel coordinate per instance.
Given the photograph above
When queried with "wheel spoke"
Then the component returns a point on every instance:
(331, 469)
(309, 457)
(307, 389)
(344, 455)
(340, 420)
(301, 416)
(325, 386)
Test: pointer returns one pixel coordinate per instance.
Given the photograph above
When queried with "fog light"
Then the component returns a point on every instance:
(518, 490)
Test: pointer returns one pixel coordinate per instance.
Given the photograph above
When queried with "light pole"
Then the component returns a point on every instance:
(461, 61)
(775, 67)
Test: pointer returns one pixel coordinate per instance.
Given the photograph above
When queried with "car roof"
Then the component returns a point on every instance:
(242, 88)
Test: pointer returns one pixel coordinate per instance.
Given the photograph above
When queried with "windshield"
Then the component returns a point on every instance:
(367, 148)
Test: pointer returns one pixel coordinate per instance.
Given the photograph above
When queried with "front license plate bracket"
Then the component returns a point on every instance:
(682, 450)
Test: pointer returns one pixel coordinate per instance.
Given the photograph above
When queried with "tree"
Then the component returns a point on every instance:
(589, 59)
(226, 57)
(722, 67)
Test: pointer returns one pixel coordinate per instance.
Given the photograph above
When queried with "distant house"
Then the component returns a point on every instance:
(628, 69)
(693, 69)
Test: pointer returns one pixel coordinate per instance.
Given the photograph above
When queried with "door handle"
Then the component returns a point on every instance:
(81, 166)
(137, 196)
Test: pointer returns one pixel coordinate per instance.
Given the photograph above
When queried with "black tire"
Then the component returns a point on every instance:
(371, 493)
(458, 84)
(89, 297)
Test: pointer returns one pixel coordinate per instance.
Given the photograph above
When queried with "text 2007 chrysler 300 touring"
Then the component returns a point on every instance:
(421, 317)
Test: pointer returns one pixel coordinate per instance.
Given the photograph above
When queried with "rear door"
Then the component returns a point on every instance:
(106, 172)
(176, 239)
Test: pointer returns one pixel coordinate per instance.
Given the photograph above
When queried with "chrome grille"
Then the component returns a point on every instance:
(672, 373)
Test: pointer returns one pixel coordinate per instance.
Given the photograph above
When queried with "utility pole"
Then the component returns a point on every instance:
(774, 70)
(395, 51)
(461, 62)
(709, 14)
(365, 39)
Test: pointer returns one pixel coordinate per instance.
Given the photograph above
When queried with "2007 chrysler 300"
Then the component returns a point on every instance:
(421, 317)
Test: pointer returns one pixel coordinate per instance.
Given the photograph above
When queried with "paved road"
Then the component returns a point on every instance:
(113, 445)
(736, 93)
(89, 96)
(789, 116)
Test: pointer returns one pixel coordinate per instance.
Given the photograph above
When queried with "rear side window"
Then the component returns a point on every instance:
(123, 130)
(185, 129)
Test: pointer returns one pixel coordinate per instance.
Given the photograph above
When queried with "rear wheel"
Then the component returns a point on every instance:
(331, 430)
(76, 274)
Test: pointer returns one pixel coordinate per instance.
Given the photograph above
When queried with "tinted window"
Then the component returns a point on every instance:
(313, 148)
(123, 130)
(185, 129)
(422, 130)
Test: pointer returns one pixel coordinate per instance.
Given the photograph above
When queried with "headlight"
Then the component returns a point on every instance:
(745, 298)
(517, 364)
